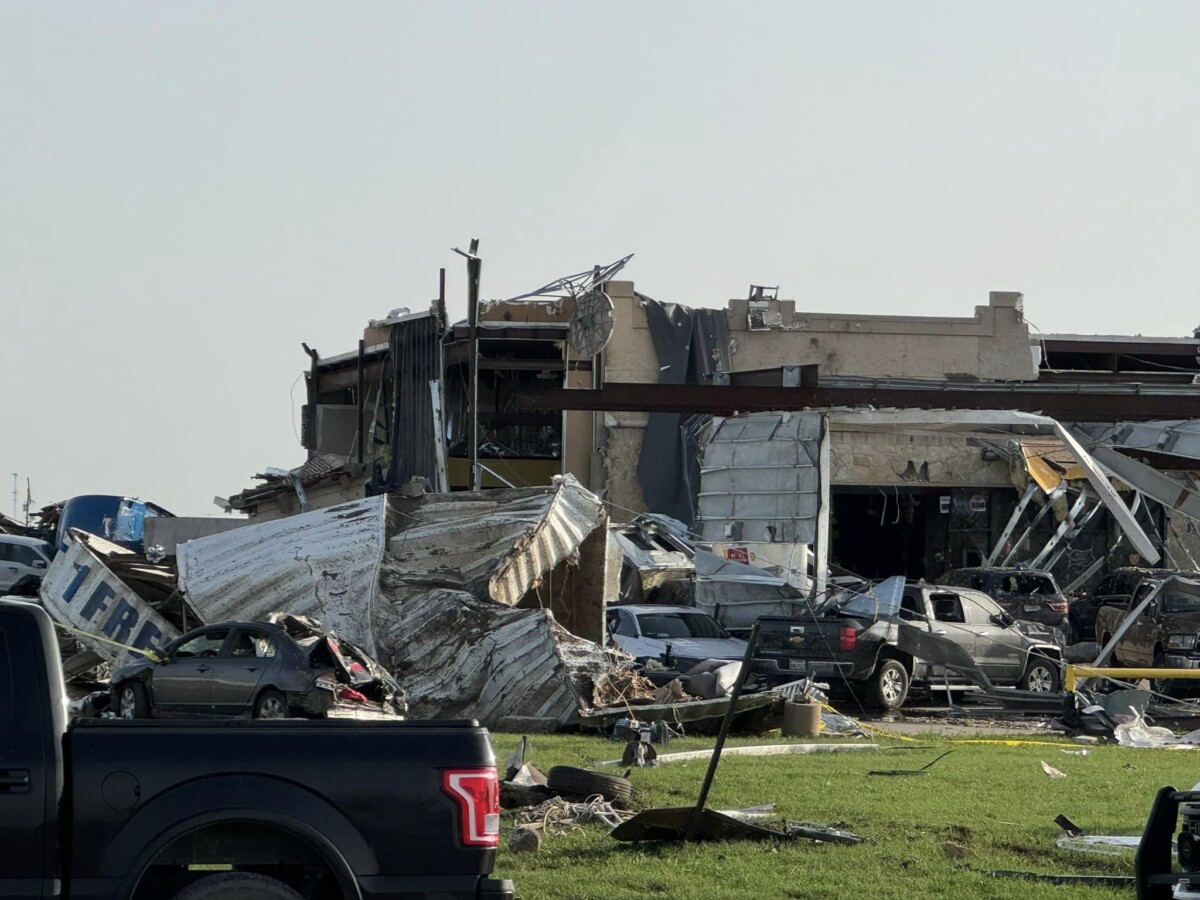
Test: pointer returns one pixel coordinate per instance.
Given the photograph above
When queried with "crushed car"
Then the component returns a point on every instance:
(288, 666)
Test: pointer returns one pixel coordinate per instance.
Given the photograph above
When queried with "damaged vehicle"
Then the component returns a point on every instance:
(260, 670)
(1030, 595)
(856, 644)
(677, 636)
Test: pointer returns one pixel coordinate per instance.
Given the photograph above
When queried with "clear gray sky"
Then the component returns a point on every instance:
(189, 190)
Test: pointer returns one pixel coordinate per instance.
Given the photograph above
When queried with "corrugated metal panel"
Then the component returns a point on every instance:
(416, 359)
(761, 478)
(493, 543)
(425, 585)
(461, 657)
(322, 563)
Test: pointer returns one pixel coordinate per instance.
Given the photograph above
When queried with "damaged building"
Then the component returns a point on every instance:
(395, 416)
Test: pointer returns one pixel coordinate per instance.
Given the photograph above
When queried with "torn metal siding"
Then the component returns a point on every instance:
(461, 657)
(495, 544)
(761, 479)
(427, 586)
(322, 563)
(415, 347)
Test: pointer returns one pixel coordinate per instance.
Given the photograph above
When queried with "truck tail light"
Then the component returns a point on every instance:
(847, 638)
(1058, 606)
(477, 793)
(352, 695)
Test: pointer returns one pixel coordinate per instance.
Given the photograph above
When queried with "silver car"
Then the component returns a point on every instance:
(678, 636)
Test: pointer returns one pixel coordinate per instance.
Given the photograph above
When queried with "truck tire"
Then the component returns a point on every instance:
(889, 684)
(271, 704)
(1162, 685)
(582, 783)
(1041, 675)
(237, 886)
(132, 701)
(1104, 643)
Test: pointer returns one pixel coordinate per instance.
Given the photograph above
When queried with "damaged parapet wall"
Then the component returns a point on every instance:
(485, 605)
(992, 345)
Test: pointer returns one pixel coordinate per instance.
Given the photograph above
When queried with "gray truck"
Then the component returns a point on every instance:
(864, 654)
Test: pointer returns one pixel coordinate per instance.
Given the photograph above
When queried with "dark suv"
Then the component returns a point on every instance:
(1114, 589)
(1027, 594)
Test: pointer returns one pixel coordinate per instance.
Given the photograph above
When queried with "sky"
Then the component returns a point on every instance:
(189, 190)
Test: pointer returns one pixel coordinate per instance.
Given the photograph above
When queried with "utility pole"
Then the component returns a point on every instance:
(474, 268)
(14, 477)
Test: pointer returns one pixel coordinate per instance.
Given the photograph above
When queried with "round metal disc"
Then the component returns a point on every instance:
(591, 323)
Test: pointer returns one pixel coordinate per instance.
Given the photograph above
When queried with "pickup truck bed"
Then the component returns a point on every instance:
(148, 809)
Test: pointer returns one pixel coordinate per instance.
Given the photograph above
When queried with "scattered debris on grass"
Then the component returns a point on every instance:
(558, 816)
(921, 771)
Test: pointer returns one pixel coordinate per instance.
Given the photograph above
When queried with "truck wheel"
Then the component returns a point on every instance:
(270, 705)
(582, 783)
(1162, 685)
(1104, 643)
(132, 701)
(237, 886)
(1041, 676)
(889, 685)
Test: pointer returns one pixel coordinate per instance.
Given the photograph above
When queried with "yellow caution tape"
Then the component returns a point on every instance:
(891, 734)
(939, 738)
(149, 654)
(1009, 742)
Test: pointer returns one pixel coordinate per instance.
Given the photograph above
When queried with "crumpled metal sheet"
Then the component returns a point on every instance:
(322, 563)
(493, 543)
(461, 657)
(426, 586)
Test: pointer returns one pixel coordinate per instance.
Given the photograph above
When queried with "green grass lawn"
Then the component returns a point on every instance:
(994, 800)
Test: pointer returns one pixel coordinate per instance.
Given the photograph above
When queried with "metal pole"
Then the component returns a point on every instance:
(362, 426)
(474, 267)
(743, 673)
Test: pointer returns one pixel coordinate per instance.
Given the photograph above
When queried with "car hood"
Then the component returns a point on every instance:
(1182, 623)
(702, 648)
(1035, 632)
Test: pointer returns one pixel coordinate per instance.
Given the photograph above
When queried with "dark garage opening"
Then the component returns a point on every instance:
(878, 532)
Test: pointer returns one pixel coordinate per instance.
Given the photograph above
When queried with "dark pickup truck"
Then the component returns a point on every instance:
(269, 810)
(855, 649)
(1165, 635)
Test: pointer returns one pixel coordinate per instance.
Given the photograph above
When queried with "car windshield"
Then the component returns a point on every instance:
(1180, 603)
(679, 625)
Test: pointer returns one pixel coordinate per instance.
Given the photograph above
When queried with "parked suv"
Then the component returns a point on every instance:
(1027, 594)
(21, 556)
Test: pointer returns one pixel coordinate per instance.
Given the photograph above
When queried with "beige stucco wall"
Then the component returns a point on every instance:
(629, 357)
(991, 345)
(877, 458)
